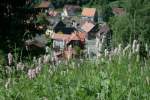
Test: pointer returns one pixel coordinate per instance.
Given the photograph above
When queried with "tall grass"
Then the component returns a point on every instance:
(120, 78)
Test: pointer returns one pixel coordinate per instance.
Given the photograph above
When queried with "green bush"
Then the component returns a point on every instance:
(2, 58)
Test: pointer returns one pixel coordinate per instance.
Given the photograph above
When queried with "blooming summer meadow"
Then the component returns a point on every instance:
(121, 74)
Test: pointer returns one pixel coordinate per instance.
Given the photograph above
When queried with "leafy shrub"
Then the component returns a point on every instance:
(2, 58)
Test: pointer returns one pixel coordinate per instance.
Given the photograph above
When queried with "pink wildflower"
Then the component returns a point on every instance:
(10, 58)
(30, 73)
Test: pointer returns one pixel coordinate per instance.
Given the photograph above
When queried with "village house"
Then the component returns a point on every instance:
(88, 28)
(63, 44)
(71, 10)
(65, 26)
(59, 40)
(44, 5)
(118, 11)
(63, 40)
(89, 14)
(58, 25)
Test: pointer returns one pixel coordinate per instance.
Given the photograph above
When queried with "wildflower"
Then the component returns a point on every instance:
(110, 57)
(20, 66)
(47, 49)
(147, 80)
(119, 48)
(134, 46)
(63, 73)
(129, 68)
(126, 48)
(54, 69)
(37, 69)
(10, 58)
(30, 73)
(146, 47)
(40, 60)
(50, 71)
(103, 38)
(7, 83)
(27, 48)
(97, 42)
(50, 66)
(34, 60)
(46, 58)
(8, 69)
(67, 70)
(106, 52)
(45, 98)
(137, 48)
(115, 51)
(78, 64)
(98, 96)
(33, 73)
(102, 59)
(142, 70)
(99, 55)
(100, 47)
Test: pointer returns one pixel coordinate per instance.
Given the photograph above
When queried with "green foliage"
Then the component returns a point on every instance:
(77, 49)
(60, 3)
(133, 25)
(2, 58)
(41, 20)
(121, 27)
(120, 78)
(49, 42)
(106, 12)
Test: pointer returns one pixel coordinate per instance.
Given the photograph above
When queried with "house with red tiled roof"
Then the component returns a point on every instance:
(89, 14)
(59, 40)
(63, 40)
(89, 28)
(64, 44)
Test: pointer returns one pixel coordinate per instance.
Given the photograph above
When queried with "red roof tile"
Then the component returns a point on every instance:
(63, 37)
(67, 38)
(43, 4)
(78, 36)
(87, 26)
(89, 12)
